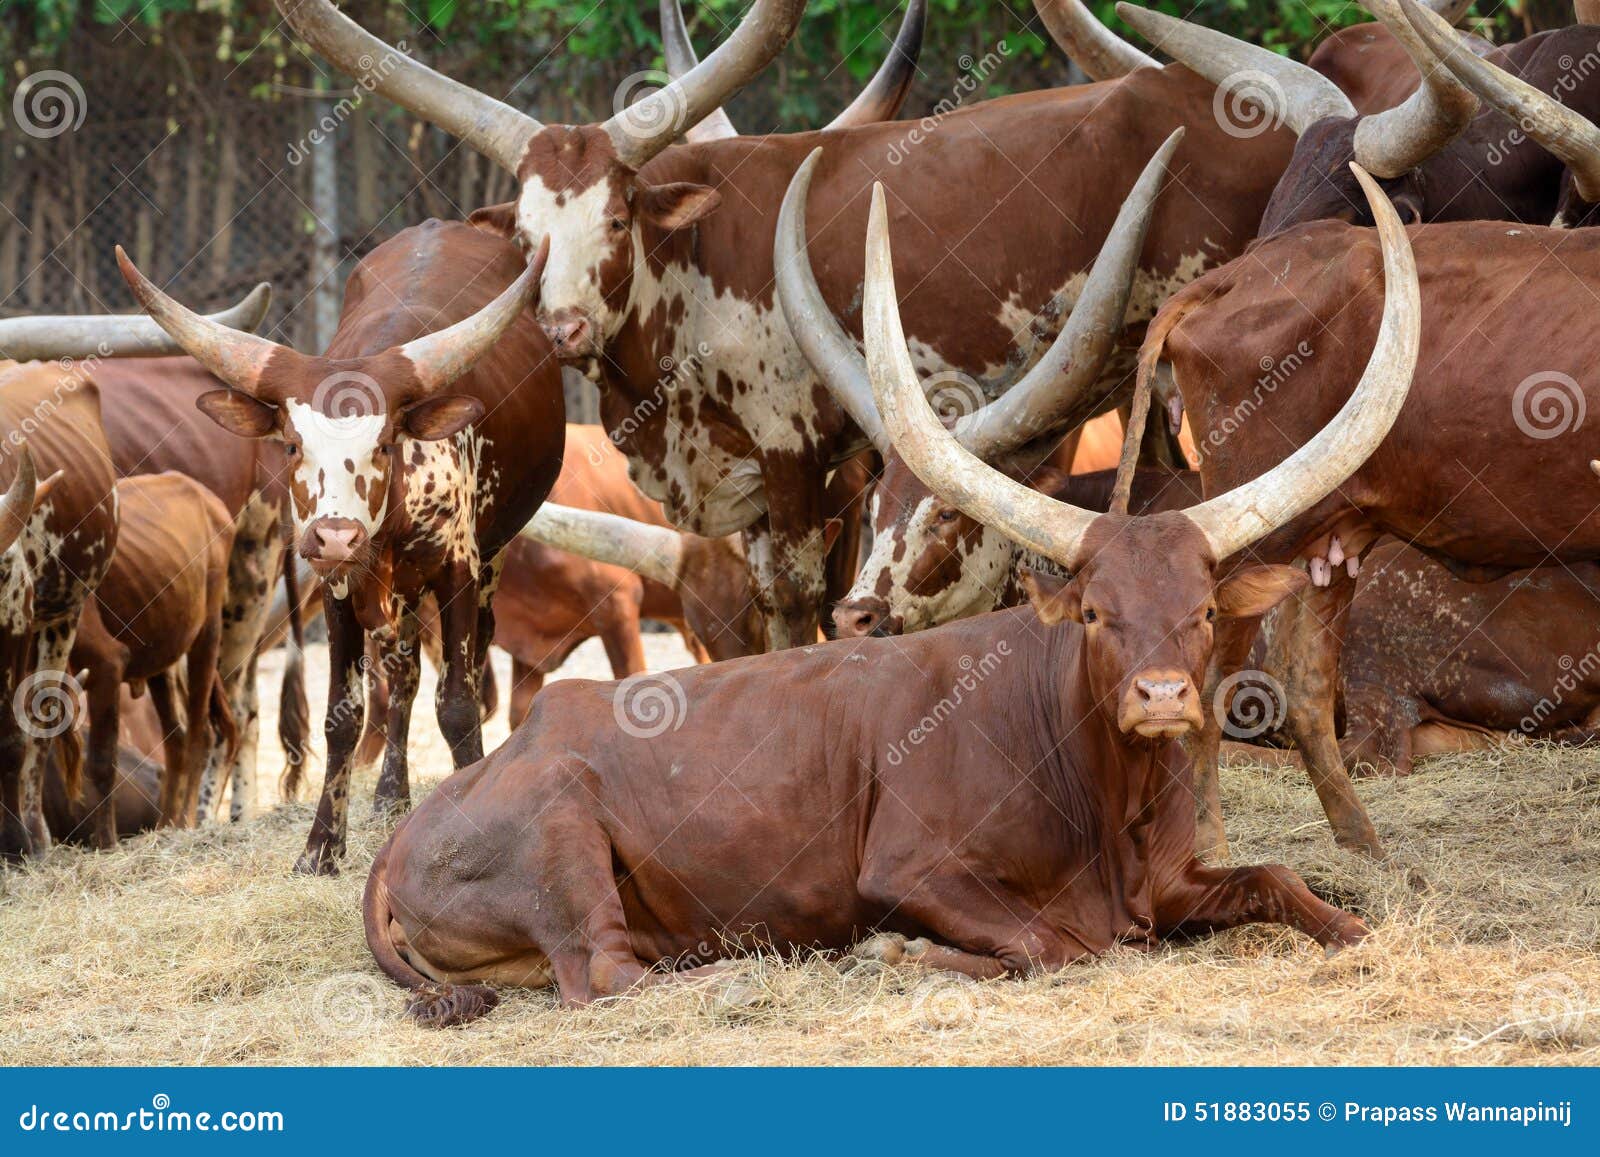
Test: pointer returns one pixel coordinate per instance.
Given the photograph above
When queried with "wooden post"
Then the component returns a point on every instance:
(325, 206)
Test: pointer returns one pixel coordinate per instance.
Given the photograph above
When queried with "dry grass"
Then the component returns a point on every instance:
(201, 948)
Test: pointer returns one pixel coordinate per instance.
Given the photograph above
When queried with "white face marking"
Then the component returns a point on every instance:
(984, 567)
(326, 445)
(580, 235)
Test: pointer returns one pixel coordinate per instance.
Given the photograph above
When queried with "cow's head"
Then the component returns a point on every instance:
(341, 420)
(1390, 145)
(580, 185)
(1566, 133)
(1148, 590)
(16, 577)
(931, 563)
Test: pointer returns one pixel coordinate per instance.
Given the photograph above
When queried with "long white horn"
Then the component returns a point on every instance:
(1050, 395)
(1038, 523)
(1089, 44)
(1305, 95)
(816, 331)
(1568, 135)
(652, 551)
(643, 129)
(48, 338)
(442, 357)
(1233, 520)
(678, 50)
(493, 127)
(239, 359)
(16, 507)
(1397, 140)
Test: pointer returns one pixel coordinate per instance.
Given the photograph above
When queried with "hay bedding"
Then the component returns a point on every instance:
(200, 948)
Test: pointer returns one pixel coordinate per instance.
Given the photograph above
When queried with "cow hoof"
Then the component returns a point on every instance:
(315, 863)
(884, 948)
(735, 996)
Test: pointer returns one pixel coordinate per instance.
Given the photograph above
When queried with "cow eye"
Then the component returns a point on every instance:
(948, 515)
(1089, 615)
(290, 449)
(618, 224)
(1211, 614)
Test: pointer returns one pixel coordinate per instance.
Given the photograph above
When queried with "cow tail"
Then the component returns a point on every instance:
(1155, 341)
(431, 1004)
(69, 746)
(294, 709)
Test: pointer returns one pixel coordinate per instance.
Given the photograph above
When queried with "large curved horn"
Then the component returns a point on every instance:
(1100, 52)
(239, 359)
(947, 468)
(816, 331)
(442, 357)
(652, 551)
(643, 129)
(49, 338)
(1304, 94)
(1567, 135)
(886, 92)
(1047, 396)
(17, 505)
(678, 50)
(1397, 140)
(493, 127)
(1233, 520)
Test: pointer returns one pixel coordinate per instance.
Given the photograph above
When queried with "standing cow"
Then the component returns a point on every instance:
(419, 444)
(66, 547)
(805, 798)
(661, 279)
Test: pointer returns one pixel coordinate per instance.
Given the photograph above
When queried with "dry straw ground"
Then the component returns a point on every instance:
(201, 948)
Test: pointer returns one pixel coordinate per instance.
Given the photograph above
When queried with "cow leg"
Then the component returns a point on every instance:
(164, 699)
(254, 564)
(1205, 899)
(456, 701)
(402, 667)
(788, 559)
(525, 684)
(374, 742)
(14, 841)
(1305, 647)
(621, 638)
(893, 948)
(104, 693)
(201, 672)
(44, 709)
(488, 584)
(342, 728)
(1231, 651)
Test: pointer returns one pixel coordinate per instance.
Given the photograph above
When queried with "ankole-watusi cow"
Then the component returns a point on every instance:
(148, 409)
(662, 275)
(938, 562)
(135, 798)
(866, 796)
(419, 443)
(1259, 357)
(65, 548)
(160, 605)
(1441, 155)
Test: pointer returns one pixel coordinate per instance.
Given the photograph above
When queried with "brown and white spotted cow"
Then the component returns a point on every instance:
(928, 561)
(419, 443)
(661, 274)
(159, 607)
(800, 800)
(147, 402)
(66, 548)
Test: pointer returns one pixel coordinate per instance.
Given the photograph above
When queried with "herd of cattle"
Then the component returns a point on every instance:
(1351, 292)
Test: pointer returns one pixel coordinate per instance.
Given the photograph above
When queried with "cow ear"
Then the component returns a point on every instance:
(831, 530)
(441, 417)
(678, 204)
(1055, 599)
(238, 413)
(500, 220)
(1255, 590)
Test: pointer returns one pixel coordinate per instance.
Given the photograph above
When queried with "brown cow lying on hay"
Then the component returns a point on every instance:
(1006, 791)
